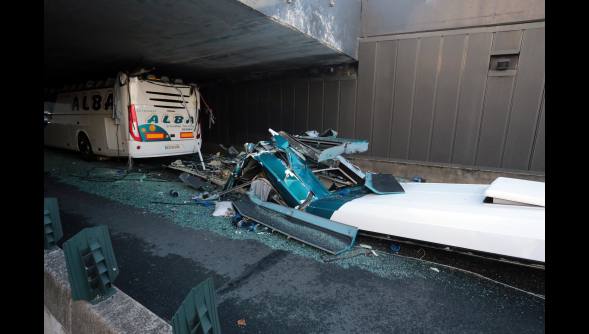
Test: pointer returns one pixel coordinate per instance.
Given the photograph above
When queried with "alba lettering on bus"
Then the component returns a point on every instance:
(166, 120)
(95, 104)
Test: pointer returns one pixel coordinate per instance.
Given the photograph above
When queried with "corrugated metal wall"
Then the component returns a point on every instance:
(425, 96)
(245, 111)
(442, 102)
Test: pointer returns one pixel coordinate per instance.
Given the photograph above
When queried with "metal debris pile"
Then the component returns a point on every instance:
(217, 168)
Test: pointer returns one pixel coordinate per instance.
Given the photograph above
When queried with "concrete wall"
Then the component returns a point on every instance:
(334, 23)
(204, 38)
(117, 314)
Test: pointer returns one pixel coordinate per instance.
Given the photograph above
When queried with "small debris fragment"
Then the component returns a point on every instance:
(435, 269)
(232, 151)
(312, 133)
(223, 209)
(365, 246)
(215, 163)
(173, 193)
(204, 202)
(202, 195)
(241, 323)
(395, 248)
(246, 224)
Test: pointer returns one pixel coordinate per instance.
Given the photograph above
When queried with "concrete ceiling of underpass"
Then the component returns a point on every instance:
(199, 39)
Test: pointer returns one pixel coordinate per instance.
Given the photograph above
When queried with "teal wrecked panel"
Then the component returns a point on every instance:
(294, 182)
(325, 207)
(290, 187)
(306, 175)
(382, 184)
(330, 225)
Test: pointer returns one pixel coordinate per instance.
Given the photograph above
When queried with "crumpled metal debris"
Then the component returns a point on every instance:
(306, 173)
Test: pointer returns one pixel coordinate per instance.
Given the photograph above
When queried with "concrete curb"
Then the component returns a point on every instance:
(438, 172)
(118, 314)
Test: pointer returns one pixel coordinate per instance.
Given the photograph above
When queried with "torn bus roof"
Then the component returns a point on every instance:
(309, 174)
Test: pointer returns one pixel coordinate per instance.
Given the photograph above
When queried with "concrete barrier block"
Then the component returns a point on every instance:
(50, 324)
(57, 296)
(439, 172)
(117, 314)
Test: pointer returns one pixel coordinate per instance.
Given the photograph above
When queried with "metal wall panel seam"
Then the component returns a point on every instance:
(294, 106)
(323, 125)
(538, 117)
(435, 96)
(322, 104)
(308, 104)
(259, 112)
(282, 109)
(269, 111)
(510, 107)
(417, 50)
(371, 128)
(457, 31)
(229, 133)
(482, 113)
(281, 119)
(339, 96)
(227, 111)
(294, 103)
(459, 94)
(392, 108)
(247, 102)
(355, 110)
(234, 116)
(258, 94)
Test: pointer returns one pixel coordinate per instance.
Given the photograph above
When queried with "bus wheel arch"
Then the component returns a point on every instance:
(84, 145)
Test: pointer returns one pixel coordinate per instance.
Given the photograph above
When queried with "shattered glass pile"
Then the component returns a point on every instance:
(147, 188)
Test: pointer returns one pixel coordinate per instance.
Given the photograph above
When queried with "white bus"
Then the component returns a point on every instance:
(130, 116)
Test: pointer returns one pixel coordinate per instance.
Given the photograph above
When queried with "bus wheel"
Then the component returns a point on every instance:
(85, 147)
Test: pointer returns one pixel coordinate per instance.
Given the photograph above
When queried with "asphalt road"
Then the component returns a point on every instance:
(276, 291)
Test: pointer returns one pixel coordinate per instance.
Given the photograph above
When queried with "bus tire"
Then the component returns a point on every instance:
(85, 147)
